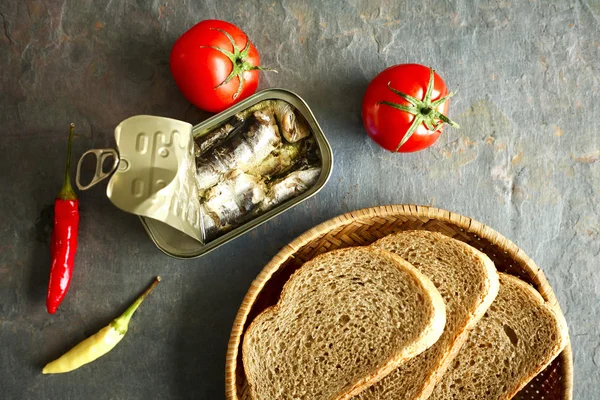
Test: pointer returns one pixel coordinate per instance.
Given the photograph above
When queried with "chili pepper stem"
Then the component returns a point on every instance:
(120, 324)
(67, 192)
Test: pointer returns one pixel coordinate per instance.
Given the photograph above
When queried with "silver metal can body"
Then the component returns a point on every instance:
(176, 244)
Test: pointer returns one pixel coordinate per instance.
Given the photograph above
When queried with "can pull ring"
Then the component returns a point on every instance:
(99, 174)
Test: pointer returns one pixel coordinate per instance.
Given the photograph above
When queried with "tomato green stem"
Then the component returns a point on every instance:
(239, 65)
(67, 192)
(425, 111)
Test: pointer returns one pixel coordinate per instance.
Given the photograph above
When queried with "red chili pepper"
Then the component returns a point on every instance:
(63, 242)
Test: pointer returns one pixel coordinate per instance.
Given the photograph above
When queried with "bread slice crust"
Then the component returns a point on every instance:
(516, 339)
(468, 282)
(336, 364)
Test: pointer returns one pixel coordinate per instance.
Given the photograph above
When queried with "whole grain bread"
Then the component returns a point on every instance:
(344, 320)
(468, 283)
(516, 339)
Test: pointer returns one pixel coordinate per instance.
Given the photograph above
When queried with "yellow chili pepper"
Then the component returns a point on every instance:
(98, 344)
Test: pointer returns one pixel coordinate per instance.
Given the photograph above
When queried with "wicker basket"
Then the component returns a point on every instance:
(364, 227)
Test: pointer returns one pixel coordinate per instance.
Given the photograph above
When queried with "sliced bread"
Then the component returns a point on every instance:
(344, 320)
(468, 283)
(516, 339)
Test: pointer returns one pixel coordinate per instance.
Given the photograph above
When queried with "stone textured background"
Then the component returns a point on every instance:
(525, 162)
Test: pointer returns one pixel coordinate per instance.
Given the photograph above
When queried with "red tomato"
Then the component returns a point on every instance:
(215, 65)
(403, 123)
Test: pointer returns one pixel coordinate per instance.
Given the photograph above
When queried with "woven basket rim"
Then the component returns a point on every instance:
(410, 210)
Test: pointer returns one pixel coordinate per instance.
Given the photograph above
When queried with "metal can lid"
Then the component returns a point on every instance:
(153, 172)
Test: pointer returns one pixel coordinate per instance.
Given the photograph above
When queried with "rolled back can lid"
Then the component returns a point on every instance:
(155, 177)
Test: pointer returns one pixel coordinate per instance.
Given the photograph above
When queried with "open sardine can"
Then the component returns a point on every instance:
(153, 175)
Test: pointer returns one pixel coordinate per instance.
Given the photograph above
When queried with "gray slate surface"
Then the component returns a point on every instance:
(525, 162)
